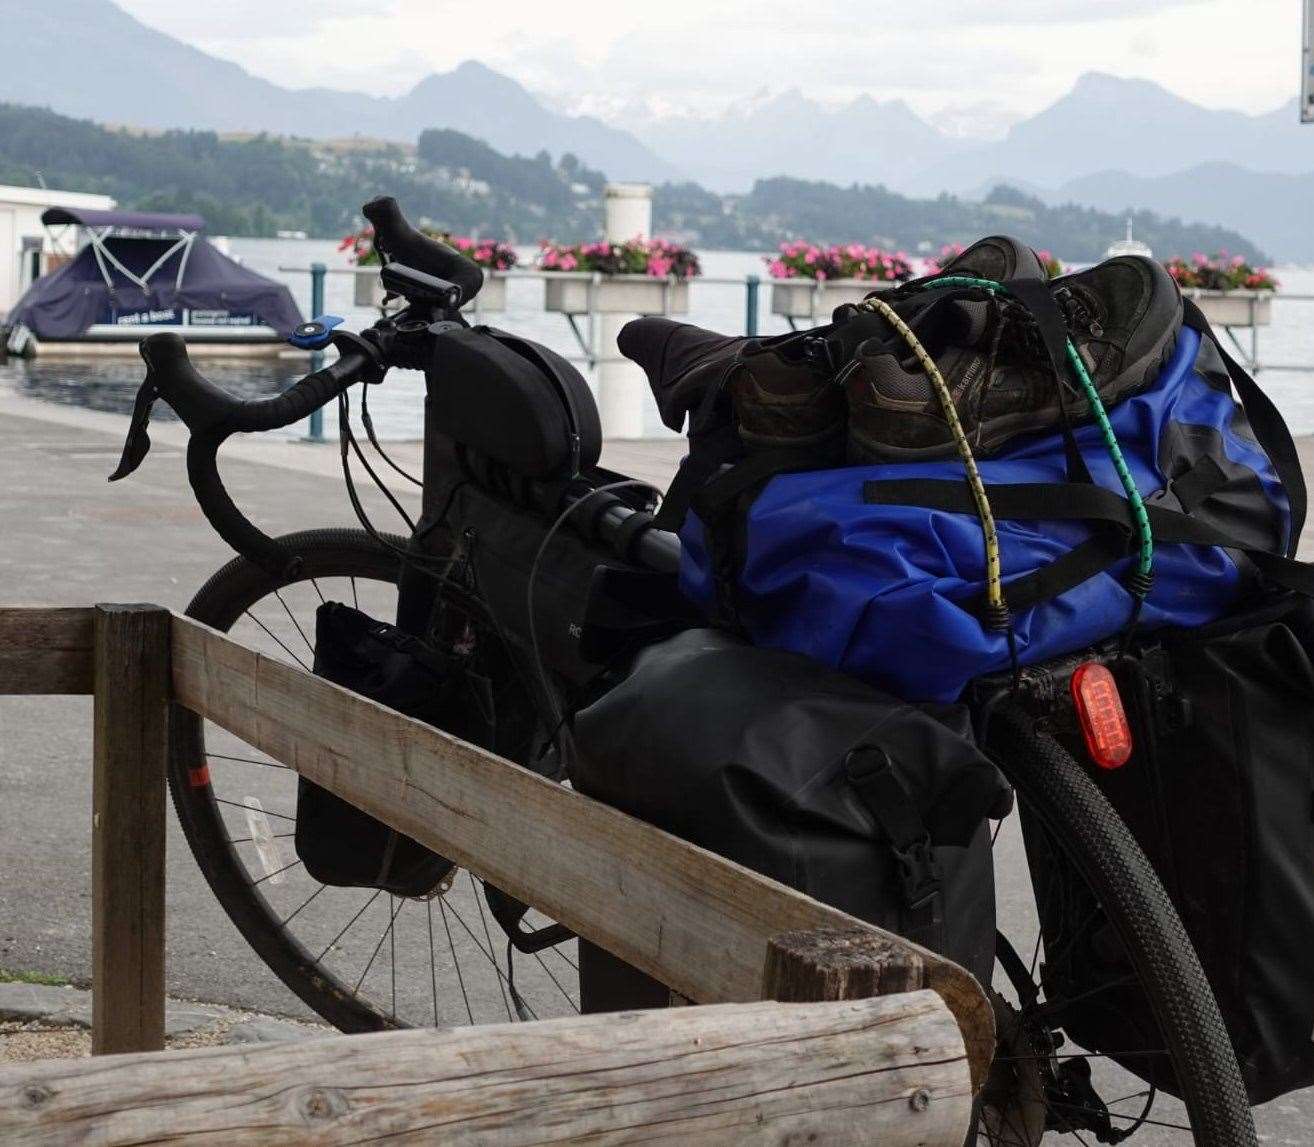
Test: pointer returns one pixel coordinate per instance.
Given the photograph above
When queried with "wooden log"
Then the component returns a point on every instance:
(839, 964)
(891, 1071)
(128, 822)
(694, 921)
(45, 650)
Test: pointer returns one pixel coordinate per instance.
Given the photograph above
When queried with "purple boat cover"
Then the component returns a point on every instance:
(64, 304)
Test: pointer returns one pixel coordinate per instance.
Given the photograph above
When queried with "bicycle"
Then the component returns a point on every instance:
(1096, 895)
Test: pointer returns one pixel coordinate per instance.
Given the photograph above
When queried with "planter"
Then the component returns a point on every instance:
(810, 299)
(1234, 308)
(368, 292)
(616, 295)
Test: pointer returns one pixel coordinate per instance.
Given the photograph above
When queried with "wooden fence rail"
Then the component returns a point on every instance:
(701, 924)
(889, 1070)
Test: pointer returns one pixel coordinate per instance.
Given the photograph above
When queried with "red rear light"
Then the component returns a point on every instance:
(1101, 716)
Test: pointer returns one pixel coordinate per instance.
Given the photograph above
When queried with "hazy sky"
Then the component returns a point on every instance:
(976, 63)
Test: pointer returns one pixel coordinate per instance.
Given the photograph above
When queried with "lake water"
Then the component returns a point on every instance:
(110, 384)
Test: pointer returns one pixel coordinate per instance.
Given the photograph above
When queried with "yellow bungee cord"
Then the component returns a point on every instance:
(994, 574)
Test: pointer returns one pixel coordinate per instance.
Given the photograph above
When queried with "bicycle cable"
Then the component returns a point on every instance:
(533, 577)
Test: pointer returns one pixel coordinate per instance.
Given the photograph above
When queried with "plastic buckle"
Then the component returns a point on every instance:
(919, 874)
(316, 334)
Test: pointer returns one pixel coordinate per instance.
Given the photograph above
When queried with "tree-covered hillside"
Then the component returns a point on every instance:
(260, 184)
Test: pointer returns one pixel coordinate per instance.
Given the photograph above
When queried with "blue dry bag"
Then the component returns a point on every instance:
(880, 570)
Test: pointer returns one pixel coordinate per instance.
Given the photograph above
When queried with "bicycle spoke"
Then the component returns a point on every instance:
(320, 958)
(295, 622)
(433, 966)
(1120, 1115)
(238, 804)
(486, 953)
(248, 761)
(392, 959)
(354, 599)
(456, 962)
(569, 999)
(1050, 1006)
(288, 919)
(392, 918)
(317, 590)
(276, 872)
(479, 903)
(277, 639)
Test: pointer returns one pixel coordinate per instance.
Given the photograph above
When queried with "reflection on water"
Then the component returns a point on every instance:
(111, 383)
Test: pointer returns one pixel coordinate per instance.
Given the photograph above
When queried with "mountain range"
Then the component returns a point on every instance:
(1110, 142)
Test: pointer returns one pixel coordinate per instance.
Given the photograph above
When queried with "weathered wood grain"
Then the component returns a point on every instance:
(45, 650)
(890, 1070)
(835, 964)
(695, 921)
(127, 827)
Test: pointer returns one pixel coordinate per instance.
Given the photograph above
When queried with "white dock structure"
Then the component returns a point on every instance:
(25, 247)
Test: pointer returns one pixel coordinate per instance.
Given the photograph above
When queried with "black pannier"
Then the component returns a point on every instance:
(338, 843)
(1219, 793)
(868, 803)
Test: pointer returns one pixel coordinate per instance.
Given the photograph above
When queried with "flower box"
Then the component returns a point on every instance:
(1234, 308)
(815, 299)
(616, 295)
(368, 292)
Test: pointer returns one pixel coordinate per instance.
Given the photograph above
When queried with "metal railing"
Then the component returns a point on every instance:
(590, 354)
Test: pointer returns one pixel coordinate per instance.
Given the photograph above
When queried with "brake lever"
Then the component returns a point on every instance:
(138, 443)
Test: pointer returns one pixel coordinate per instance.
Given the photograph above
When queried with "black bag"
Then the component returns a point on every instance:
(590, 605)
(337, 842)
(870, 804)
(1219, 792)
(513, 401)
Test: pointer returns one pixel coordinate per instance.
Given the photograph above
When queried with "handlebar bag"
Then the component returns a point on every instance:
(863, 801)
(338, 843)
(1219, 793)
(857, 567)
(514, 401)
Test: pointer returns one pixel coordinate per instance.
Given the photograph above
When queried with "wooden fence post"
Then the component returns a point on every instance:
(838, 964)
(132, 688)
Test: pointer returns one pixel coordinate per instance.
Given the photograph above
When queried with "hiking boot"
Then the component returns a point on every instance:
(1123, 316)
(996, 257)
(785, 397)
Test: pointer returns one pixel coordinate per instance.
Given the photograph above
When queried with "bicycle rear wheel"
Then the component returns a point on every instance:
(363, 960)
(1112, 940)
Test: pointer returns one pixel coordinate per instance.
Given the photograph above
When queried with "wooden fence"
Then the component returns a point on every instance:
(890, 1020)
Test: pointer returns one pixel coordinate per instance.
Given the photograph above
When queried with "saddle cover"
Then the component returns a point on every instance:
(880, 570)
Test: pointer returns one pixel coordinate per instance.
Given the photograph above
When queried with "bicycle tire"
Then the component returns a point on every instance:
(218, 603)
(1052, 786)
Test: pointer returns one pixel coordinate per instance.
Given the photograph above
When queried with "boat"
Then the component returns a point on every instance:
(136, 273)
(1128, 246)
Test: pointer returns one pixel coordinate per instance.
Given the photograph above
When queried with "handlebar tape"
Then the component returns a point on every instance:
(397, 239)
(212, 414)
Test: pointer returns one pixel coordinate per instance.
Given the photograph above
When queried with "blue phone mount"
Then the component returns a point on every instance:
(316, 334)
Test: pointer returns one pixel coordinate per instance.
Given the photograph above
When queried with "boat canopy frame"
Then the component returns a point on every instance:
(99, 226)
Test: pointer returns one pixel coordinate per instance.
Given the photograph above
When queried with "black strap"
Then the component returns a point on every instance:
(871, 773)
(628, 530)
(708, 452)
(1095, 504)
(1037, 297)
(1270, 429)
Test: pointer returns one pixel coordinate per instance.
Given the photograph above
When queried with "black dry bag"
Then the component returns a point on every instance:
(865, 802)
(338, 843)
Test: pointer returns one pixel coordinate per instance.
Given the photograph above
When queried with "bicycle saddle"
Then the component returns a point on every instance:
(680, 360)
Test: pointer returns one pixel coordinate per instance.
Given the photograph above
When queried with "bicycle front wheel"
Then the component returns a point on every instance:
(362, 959)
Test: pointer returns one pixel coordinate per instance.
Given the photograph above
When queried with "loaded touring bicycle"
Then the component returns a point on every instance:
(537, 607)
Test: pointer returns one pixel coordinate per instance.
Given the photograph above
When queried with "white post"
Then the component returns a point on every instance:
(622, 387)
